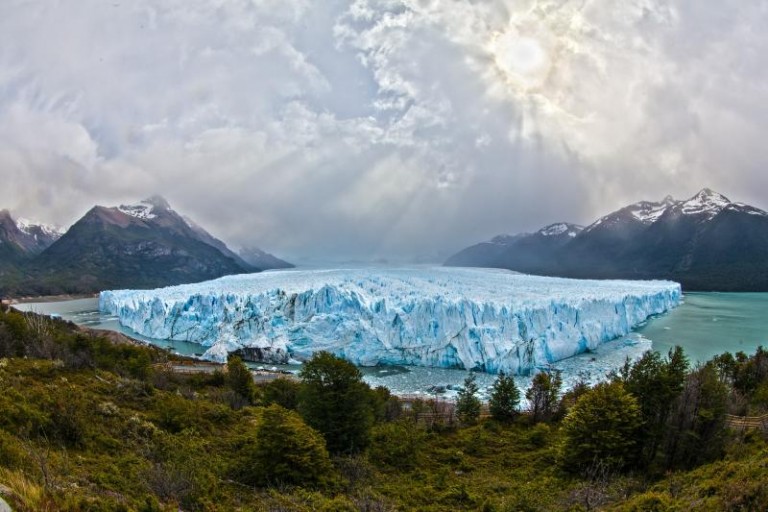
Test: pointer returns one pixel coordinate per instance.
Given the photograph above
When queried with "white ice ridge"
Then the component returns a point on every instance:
(482, 319)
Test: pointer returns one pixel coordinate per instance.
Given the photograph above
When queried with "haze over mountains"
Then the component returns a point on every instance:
(706, 242)
(143, 245)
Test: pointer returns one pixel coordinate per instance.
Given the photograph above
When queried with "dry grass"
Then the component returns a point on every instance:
(25, 494)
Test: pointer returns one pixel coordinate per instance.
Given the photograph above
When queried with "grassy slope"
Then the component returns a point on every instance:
(93, 429)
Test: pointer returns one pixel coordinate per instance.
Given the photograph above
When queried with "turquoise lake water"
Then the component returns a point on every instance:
(706, 324)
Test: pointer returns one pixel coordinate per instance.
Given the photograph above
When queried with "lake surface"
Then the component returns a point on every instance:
(706, 324)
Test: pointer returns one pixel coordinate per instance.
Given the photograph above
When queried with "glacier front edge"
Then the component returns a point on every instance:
(481, 319)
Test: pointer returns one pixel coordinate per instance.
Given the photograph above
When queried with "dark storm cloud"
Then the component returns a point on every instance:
(369, 128)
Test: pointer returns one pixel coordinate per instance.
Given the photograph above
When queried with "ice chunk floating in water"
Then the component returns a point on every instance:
(482, 319)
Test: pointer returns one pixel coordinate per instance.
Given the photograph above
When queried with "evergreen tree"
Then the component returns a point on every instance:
(505, 398)
(467, 404)
(334, 400)
(602, 429)
(543, 395)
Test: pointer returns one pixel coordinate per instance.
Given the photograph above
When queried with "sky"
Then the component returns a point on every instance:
(366, 129)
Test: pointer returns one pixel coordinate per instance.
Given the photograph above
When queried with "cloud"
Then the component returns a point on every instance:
(368, 128)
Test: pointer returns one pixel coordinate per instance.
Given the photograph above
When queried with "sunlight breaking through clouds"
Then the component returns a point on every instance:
(377, 128)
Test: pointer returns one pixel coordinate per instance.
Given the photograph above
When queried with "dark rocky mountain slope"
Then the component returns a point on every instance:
(144, 245)
(706, 243)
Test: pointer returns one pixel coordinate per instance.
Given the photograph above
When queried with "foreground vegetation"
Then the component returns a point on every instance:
(90, 425)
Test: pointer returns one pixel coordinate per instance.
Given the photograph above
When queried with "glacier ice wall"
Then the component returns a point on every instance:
(482, 319)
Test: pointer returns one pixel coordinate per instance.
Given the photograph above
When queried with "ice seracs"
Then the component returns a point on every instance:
(482, 319)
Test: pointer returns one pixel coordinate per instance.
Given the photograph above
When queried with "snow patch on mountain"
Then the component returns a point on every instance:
(649, 212)
(489, 320)
(706, 203)
(148, 208)
(141, 211)
(745, 208)
(28, 227)
(561, 228)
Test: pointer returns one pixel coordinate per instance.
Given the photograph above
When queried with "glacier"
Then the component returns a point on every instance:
(476, 319)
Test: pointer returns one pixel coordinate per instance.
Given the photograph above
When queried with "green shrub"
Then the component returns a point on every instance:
(648, 502)
(602, 428)
(539, 435)
(11, 454)
(283, 392)
(174, 413)
(397, 444)
(285, 451)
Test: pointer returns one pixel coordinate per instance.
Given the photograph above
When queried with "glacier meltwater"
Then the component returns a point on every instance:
(486, 320)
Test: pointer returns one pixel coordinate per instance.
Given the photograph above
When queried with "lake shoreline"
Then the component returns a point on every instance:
(10, 301)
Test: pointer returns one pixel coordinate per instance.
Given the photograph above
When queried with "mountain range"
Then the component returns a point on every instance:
(706, 242)
(143, 245)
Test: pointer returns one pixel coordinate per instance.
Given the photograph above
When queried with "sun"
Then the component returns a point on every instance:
(532, 59)
(523, 60)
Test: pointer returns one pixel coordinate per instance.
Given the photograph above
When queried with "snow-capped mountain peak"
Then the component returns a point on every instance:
(139, 211)
(29, 236)
(561, 228)
(745, 208)
(28, 226)
(146, 209)
(649, 212)
(158, 202)
(707, 203)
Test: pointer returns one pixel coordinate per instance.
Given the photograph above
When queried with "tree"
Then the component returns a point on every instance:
(467, 404)
(543, 394)
(283, 392)
(285, 451)
(751, 371)
(386, 406)
(334, 400)
(655, 383)
(726, 367)
(505, 398)
(696, 431)
(601, 429)
(240, 380)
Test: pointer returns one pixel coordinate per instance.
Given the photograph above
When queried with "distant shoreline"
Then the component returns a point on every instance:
(49, 298)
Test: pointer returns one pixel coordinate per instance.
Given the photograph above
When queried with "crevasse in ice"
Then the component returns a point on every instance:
(488, 320)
